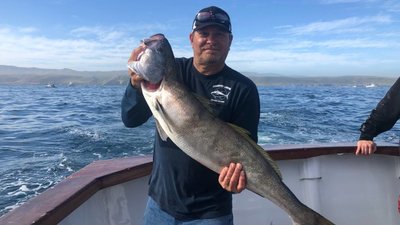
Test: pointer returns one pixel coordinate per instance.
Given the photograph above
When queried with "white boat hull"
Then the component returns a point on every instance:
(346, 189)
(362, 190)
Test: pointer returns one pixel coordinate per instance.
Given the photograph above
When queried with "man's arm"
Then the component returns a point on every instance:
(134, 109)
(381, 119)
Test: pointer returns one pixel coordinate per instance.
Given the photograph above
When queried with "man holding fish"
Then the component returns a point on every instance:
(181, 190)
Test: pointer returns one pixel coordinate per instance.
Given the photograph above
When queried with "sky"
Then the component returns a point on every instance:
(285, 37)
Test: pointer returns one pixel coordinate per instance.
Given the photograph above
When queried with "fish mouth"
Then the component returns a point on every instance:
(151, 86)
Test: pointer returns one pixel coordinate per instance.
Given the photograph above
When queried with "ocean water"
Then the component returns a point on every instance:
(48, 133)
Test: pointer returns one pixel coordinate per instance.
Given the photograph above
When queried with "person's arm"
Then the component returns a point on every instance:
(134, 109)
(381, 119)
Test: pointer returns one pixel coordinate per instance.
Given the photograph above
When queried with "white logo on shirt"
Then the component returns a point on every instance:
(220, 93)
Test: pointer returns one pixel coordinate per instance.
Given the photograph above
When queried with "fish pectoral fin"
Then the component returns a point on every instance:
(246, 134)
(206, 103)
(161, 132)
(164, 115)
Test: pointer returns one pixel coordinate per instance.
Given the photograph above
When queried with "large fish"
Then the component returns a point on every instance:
(185, 119)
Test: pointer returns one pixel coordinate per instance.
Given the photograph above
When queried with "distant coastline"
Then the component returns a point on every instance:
(12, 75)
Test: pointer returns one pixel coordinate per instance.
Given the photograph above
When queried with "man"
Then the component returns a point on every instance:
(381, 119)
(182, 191)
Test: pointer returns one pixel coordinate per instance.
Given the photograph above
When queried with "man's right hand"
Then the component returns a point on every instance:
(232, 178)
(135, 79)
(365, 147)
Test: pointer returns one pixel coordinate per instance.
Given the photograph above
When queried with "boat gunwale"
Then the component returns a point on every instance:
(56, 203)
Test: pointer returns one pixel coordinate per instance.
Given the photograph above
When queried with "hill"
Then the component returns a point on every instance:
(12, 75)
(323, 80)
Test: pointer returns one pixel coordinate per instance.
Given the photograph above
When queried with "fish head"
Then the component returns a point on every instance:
(154, 61)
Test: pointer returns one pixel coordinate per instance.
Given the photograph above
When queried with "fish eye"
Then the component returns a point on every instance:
(146, 41)
(153, 38)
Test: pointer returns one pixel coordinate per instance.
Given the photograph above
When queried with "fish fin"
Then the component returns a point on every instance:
(271, 161)
(246, 134)
(134, 66)
(161, 132)
(206, 103)
(241, 130)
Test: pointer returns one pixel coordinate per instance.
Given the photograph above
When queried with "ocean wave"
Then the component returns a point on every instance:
(85, 133)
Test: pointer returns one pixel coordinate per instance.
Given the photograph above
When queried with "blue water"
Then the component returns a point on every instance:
(48, 133)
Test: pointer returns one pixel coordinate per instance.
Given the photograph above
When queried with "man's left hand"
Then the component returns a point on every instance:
(365, 147)
(233, 178)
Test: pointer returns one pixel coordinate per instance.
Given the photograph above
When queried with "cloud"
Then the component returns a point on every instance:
(313, 63)
(346, 1)
(293, 55)
(100, 33)
(387, 5)
(392, 6)
(359, 43)
(90, 49)
(27, 29)
(80, 48)
(107, 48)
(339, 43)
(340, 26)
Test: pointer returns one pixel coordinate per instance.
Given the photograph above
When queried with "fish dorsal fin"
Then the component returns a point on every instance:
(206, 103)
(246, 134)
(241, 130)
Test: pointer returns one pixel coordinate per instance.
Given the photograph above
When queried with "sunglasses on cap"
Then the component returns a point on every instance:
(207, 16)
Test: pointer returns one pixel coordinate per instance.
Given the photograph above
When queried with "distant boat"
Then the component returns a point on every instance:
(370, 85)
(51, 85)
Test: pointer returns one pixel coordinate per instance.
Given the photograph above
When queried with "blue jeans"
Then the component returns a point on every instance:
(153, 215)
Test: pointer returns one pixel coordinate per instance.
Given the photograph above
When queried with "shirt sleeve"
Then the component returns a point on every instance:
(134, 109)
(384, 116)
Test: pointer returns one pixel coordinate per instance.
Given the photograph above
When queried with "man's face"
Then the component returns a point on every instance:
(210, 45)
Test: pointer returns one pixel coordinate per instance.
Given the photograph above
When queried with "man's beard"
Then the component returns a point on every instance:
(210, 59)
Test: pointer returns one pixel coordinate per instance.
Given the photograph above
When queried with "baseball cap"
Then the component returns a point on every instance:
(212, 16)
